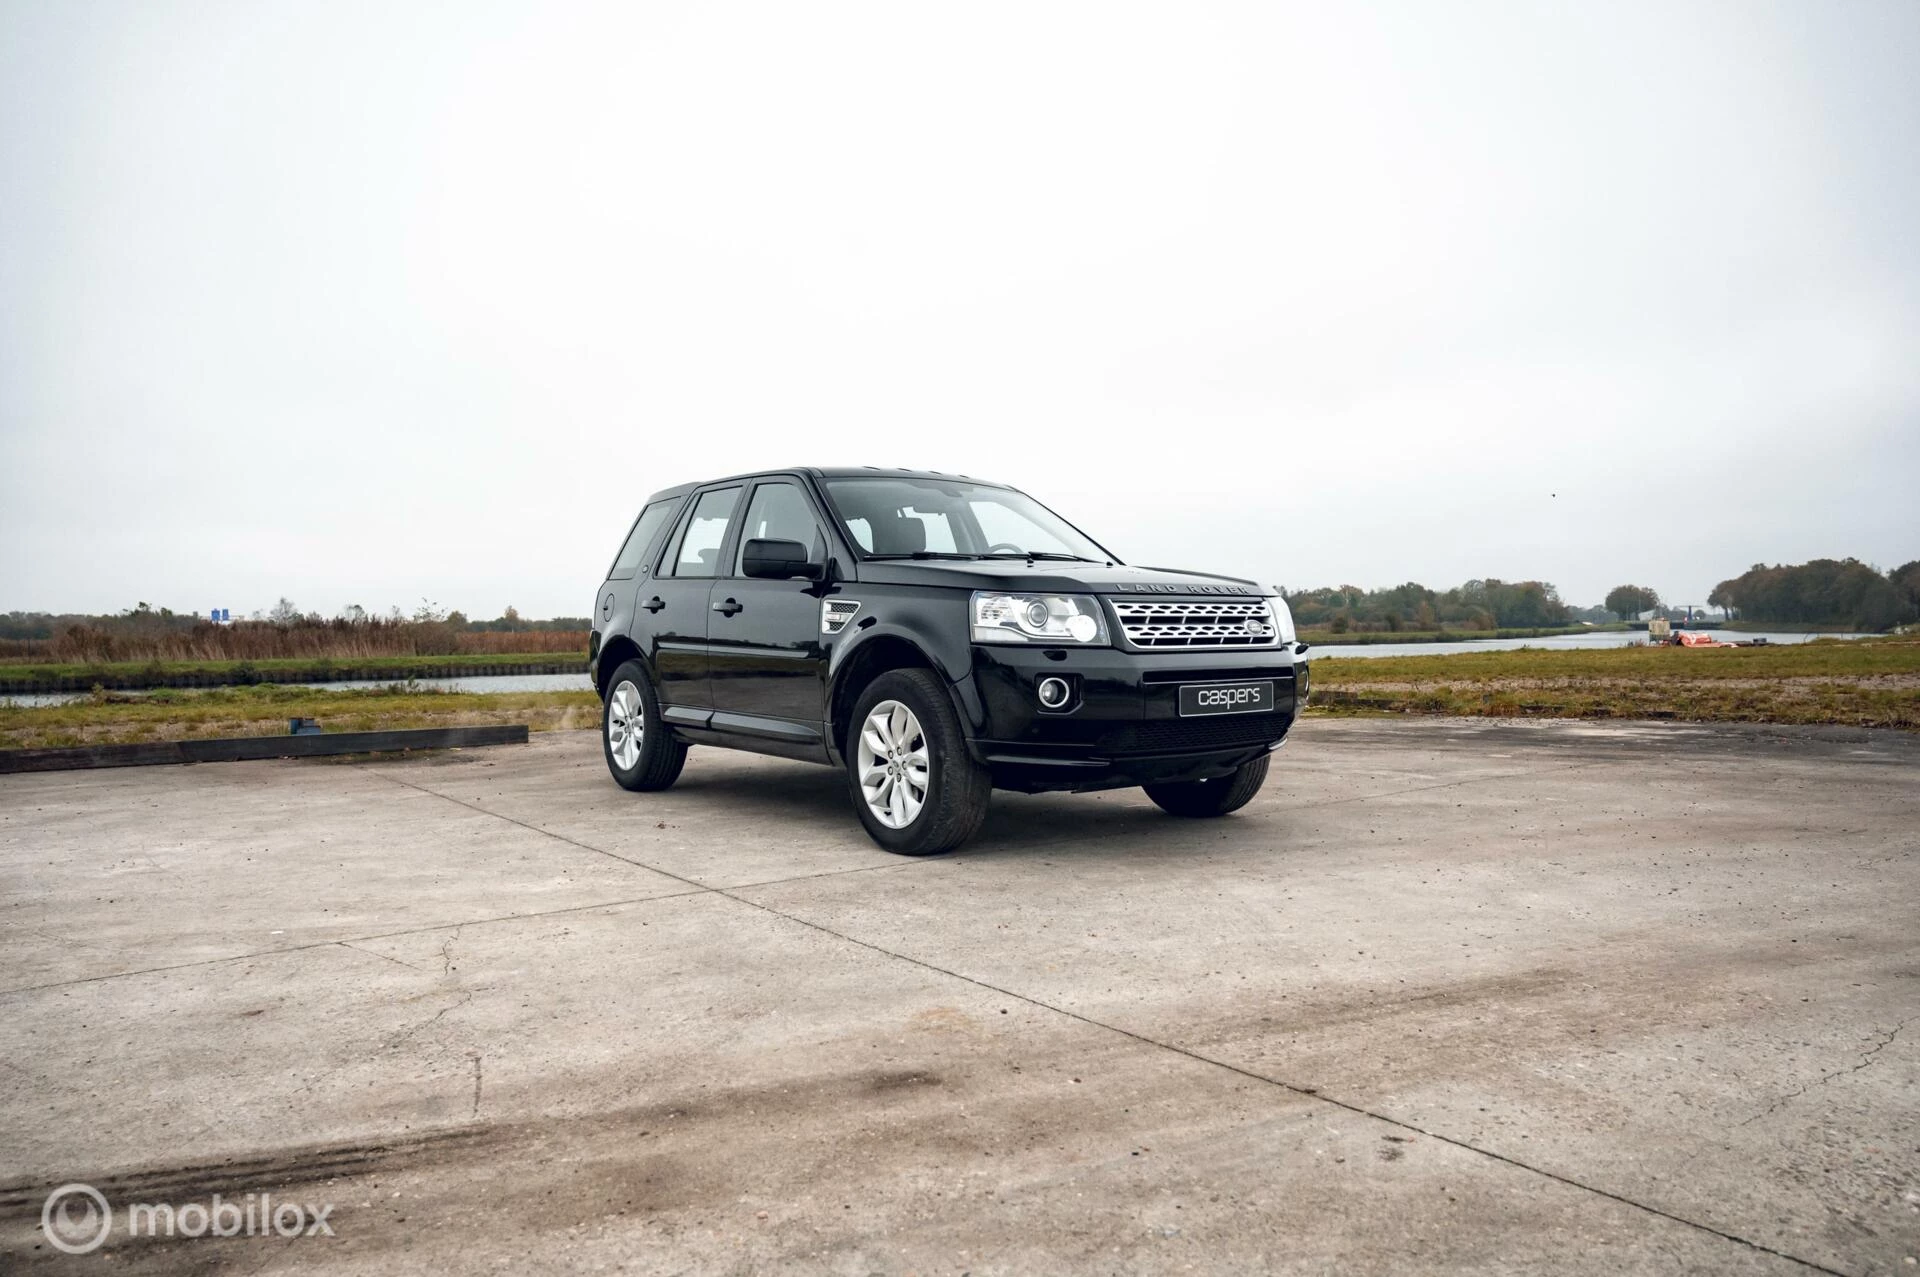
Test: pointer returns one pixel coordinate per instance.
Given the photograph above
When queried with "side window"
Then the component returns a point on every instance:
(779, 511)
(645, 528)
(699, 552)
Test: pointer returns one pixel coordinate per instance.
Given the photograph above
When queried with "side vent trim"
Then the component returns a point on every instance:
(836, 613)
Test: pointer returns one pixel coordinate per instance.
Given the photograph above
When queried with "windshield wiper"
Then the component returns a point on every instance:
(1031, 555)
(928, 554)
(1028, 555)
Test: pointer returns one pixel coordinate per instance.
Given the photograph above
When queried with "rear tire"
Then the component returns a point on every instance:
(641, 751)
(1216, 797)
(915, 787)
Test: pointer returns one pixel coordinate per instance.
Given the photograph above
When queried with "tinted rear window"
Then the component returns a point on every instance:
(645, 529)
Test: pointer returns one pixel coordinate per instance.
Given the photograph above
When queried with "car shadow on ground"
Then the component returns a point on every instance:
(1110, 823)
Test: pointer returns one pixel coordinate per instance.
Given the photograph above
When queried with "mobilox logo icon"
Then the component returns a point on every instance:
(76, 1218)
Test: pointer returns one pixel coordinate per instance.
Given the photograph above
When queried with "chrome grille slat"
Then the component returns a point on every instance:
(1196, 623)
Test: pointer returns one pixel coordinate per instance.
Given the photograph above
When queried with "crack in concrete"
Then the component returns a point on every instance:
(1866, 1058)
(384, 957)
(405, 1036)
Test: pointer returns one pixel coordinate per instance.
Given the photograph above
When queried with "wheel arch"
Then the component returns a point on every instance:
(876, 653)
(614, 653)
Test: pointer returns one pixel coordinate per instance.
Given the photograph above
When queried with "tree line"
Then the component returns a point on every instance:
(146, 633)
(1824, 592)
(147, 620)
(1477, 605)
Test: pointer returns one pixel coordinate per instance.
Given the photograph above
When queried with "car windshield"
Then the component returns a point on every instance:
(943, 518)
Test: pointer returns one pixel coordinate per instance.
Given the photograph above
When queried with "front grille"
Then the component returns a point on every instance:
(1191, 624)
(1180, 735)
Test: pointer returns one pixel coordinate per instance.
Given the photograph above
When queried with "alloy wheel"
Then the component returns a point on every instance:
(894, 765)
(626, 725)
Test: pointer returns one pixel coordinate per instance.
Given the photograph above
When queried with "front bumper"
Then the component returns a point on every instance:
(1123, 726)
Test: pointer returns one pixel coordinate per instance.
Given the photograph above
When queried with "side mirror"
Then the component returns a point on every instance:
(775, 560)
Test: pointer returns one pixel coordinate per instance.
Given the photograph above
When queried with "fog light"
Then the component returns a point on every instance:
(1054, 692)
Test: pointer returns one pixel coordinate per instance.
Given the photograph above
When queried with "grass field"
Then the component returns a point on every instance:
(1861, 683)
(112, 718)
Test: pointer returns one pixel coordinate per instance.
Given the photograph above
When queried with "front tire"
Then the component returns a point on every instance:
(641, 752)
(915, 787)
(1216, 797)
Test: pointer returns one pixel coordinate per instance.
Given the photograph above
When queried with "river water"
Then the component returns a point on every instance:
(1342, 651)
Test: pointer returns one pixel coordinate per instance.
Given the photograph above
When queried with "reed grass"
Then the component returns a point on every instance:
(257, 641)
(114, 718)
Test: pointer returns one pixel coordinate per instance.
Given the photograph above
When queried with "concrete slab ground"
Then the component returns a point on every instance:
(1448, 996)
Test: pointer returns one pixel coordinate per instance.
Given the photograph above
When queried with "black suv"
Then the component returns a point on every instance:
(937, 637)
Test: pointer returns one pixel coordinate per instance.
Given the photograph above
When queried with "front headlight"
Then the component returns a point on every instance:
(1037, 618)
(1283, 619)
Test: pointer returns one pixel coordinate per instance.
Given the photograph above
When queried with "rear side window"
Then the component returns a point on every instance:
(645, 529)
(706, 531)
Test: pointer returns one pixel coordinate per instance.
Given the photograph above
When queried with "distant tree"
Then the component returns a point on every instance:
(1629, 601)
(1525, 604)
(1906, 581)
(284, 612)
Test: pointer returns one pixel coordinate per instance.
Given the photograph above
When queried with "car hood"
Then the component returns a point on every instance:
(1044, 576)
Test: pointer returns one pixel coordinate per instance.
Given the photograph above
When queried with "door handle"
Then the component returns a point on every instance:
(654, 604)
(729, 607)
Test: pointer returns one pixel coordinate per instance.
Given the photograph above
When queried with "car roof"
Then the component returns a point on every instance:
(881, 472)
(820, 472)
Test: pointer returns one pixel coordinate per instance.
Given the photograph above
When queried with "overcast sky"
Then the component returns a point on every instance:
(365, 303)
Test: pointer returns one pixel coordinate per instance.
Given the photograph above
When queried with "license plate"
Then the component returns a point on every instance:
(1225, 698)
